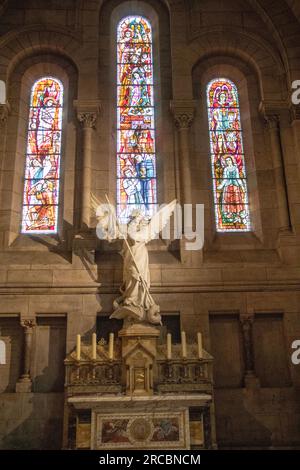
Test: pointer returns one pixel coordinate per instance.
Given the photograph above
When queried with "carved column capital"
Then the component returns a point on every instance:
(274, 109)
(4, 112)
(272, 121)
(183, 112)
(28, 323)
(87, 119)
(246, 320)
(184, 120)
(270, 111)
(87, 112)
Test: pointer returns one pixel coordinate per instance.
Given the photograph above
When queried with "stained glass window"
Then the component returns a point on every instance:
(227, 157)
(41, 188)
(2, 352)
(136, 165)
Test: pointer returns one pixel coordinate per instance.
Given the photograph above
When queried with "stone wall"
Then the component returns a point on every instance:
(264, 418)
(12, 335)
(31, 420)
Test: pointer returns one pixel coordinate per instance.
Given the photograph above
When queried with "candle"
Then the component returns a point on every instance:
(183, 344)
(200, 350)
(94, 346)
(78, 347)
(169, 346)
(111, 346)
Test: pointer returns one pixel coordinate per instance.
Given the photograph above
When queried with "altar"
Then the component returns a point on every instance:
(134, 393)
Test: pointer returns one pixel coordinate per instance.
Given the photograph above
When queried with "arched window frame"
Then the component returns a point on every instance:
(44, 177)
(2, 353)
(2, 92)
(230, 191)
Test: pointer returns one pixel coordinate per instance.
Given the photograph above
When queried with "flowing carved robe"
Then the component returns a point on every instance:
(133, 289)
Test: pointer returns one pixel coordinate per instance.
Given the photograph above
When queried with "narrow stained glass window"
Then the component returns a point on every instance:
(227, 157)
(2, 352)
(136, 165)
(41, 188)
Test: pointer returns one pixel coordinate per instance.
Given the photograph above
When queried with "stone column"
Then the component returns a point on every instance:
(4, 113)
(295, 120)
(247, 335)
(87, 114)
(183, 112)
(24, 383)
(207, 422)
(272, 119)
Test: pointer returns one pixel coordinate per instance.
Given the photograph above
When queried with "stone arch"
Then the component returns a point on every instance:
(270, 21)
(154, 3)
(276, 24)
(3, 6)
(295, 7)
(237, 43)
(281, 20)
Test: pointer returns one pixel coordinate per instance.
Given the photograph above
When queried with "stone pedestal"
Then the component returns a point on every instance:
(24, 385)
(251, 381)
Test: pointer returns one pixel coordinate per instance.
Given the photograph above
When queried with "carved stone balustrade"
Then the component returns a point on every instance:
(92, 375)
(106, 375)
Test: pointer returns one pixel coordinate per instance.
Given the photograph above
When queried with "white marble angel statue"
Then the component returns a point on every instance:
(135, 304)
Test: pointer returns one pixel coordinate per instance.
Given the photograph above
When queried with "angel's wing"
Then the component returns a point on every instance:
(156, 224)
(95, 203)
(161, 218)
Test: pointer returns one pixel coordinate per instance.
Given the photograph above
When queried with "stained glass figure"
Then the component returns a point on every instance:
(227, 157)
(41, 188)
(136, 172)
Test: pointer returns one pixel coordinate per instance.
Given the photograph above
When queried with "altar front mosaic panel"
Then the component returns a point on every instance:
(144, 430)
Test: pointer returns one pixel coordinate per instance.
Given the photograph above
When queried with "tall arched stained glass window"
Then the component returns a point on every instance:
(227, 157)
(2, 352)
(43, 153)
(136, 165)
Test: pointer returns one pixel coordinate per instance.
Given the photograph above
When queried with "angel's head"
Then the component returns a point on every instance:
(137, 219)
(136, 215)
